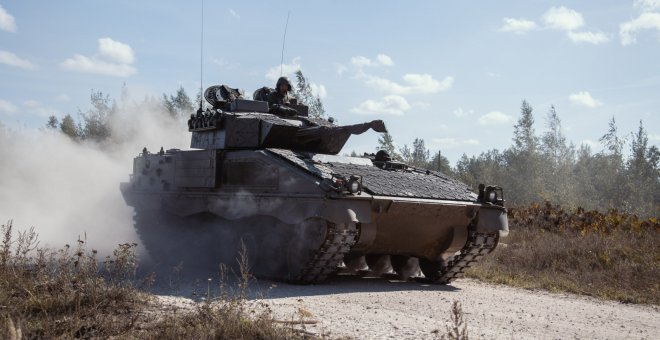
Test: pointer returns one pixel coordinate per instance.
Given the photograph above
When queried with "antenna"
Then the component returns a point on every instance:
(201, 63)
(284, 40)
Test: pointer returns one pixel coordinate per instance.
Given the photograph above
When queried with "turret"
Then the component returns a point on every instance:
(237, 123)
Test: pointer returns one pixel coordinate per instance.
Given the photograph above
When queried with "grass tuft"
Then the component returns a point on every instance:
(68, 294)
(608, 255)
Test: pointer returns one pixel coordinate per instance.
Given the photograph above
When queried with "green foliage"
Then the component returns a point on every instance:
(386, 142)
(440, 163)
(178, 105)
(303, 91)
(68, 127)
(52, 123)
(96, 119)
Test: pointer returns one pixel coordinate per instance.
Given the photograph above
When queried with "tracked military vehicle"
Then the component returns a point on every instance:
(274, 187)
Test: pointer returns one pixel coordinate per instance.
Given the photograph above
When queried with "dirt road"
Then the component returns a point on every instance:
(380, 309)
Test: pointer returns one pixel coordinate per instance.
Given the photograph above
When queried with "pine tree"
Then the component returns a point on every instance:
(178, 105)
(420, 155)
(524, 137)
(386, 142)
(440, 163)
(303, 91)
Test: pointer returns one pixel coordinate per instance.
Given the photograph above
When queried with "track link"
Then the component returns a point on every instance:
(477, 246)
(338, 242)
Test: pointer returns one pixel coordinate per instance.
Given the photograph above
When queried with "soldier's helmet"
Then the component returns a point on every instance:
(283, 80)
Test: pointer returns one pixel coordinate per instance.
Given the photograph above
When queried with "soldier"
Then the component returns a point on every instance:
(278, 100)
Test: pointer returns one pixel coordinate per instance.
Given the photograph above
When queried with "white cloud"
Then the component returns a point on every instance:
(648, 5)
(415, 83)
(451, 143)
(384, 60)
(381, 60)
(116, 51)
(654, 136)
(584, 98)
(393, 105)
(286, 70)
(81, 63)
(234, 14)
(646, 21)
(517, 26)
(562, 18)
(7, 107)
(318, 90)
(11, 59)
(494, 118)
(588, 37)
(7, 22)
(493, 75)
(36, 108)
(462, 113)
(114, 59)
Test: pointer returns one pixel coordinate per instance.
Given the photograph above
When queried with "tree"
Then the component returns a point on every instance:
(440, 163)
(405, 155)
(524, 163)
(420, 155)
(553, 142)
(69, 128)
(178, 105)
(611, 140)
(386, 142)
(96, 119)
(643, 173)
(303, 91)
(523, 131)
(53, 123)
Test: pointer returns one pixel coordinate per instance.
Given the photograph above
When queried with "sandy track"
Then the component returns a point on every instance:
(379, 309)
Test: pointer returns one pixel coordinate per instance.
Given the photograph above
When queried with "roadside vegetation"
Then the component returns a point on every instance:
(610, 255)
(69, 293)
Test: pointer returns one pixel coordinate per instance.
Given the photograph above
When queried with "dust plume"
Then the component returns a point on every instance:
(68, 189)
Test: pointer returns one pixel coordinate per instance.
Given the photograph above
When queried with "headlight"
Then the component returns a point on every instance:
(491, 194)
(354, 185)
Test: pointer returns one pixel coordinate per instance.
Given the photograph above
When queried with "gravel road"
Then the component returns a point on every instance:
(376, 308)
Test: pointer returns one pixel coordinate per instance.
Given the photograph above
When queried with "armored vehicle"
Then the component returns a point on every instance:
(275, 188)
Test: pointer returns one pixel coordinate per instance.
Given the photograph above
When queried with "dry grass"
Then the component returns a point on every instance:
(69, 294)
(607, 255)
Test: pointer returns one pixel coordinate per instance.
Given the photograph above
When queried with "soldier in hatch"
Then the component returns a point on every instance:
(278, 101)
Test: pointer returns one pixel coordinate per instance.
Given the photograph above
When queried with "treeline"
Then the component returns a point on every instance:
(535, 168)
(547, 167)
(94, 123)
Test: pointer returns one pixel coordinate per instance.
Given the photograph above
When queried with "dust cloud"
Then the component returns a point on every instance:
(67, 189)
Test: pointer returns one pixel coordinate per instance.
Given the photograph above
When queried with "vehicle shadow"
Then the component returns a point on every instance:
(341, 284)
(198, 283)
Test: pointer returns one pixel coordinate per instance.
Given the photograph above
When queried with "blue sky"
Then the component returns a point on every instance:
(452, 73)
